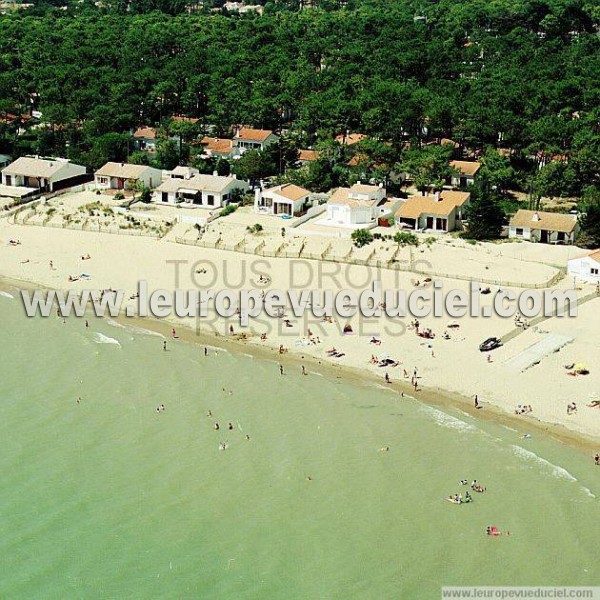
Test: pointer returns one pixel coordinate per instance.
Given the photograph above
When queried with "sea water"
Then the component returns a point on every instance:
(108, 498)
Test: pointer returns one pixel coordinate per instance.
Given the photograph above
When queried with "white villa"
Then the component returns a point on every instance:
(208, 191)
(287, 199)
(466, 172)
(586, 267)
(444, 211)
(253, 139)
(43, 174)
(545, 227)
(122, 176)
(358, 205)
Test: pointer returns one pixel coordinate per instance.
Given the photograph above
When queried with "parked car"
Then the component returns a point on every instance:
(490, 344)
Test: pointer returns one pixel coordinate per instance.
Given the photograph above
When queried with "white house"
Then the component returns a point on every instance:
(443, 211)
(465, 172)
(545, 227)
(145, 139)
(122, 176)
(209, 191)
(287, 199)
(586, 267)
(358, 205)
(43, 174)
(253, 139)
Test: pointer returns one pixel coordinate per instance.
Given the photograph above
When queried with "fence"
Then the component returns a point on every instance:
(369, 261)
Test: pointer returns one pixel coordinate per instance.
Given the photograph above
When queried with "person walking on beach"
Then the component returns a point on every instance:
(205, 351)
(387, 378)
(477, 405)
(304, 370)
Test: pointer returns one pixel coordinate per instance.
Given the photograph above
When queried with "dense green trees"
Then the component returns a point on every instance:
(519, 75)
(484, 213)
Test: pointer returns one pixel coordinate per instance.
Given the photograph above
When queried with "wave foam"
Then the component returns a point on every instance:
(134, 330)
(100, 338)
(7, 295)
(554, 469)
(445, 420)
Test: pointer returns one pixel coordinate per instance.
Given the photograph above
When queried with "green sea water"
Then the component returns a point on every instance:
(109, 498)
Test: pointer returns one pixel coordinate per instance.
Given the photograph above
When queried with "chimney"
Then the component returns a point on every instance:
(437, 196)
(215, 173)
(536, 217)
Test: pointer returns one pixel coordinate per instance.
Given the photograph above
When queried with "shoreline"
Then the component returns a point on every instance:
(435, 396)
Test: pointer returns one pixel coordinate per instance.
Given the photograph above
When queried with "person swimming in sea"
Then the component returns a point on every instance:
(216, 427)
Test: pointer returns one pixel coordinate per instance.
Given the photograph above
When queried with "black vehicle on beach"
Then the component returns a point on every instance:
(490, 344)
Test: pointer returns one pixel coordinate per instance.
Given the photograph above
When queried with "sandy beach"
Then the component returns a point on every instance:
(450, 368)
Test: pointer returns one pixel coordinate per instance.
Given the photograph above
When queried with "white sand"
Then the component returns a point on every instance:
(120, 261)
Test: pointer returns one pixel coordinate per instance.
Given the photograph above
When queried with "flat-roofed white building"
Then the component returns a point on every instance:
(586, 267)
(357, 205)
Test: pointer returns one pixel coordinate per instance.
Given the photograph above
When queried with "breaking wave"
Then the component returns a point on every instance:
(445, 420)
(100, 338)
(533, 457)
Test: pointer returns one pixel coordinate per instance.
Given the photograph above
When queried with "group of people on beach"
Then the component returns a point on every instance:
(571, 408)
(523, 410)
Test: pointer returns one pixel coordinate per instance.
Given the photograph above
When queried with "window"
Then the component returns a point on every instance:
(594, 271)
(210, 200)
(519, 231)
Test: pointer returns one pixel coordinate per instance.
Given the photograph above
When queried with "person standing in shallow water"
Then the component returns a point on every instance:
(281, 369)
(165, 345)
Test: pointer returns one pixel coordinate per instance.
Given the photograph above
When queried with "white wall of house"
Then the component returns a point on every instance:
(462, 180)
(204, 199)
(271, 203)
(585, 268)
(67, 171)
(536, 235)
(243, 145)
(345, 214)
(150, 178)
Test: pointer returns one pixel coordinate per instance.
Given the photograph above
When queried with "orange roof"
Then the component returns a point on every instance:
(145, 132)
(350, 139)
(544, 220)
(182, 119)
(217, 145)
(255, 135)
(289, 191)
(308, 155)
(415, 206)
(357, 160)
(465, 167)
